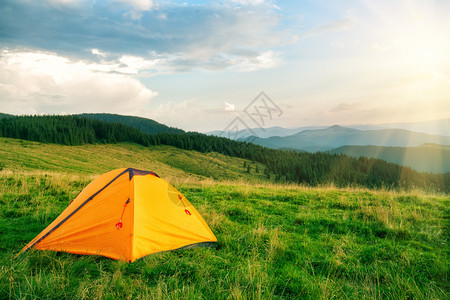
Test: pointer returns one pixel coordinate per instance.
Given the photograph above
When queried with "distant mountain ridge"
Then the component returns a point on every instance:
(263, 132)
(435, 127)
(425, 158)
(337, 136)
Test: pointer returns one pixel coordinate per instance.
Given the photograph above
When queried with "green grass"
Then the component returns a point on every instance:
(169, 162)
(274, 241)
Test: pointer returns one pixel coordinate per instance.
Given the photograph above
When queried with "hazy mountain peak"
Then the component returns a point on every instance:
(339, 128)
(336, 136)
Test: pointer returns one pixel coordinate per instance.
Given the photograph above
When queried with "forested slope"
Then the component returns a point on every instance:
(143, 124)
(290, 166)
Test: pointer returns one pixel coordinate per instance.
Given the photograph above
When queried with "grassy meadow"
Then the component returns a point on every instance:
(274, 241)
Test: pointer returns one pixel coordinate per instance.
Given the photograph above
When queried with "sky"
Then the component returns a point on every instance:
(202, 65)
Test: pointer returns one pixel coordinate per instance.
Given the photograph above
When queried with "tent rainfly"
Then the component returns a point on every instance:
(126, 214)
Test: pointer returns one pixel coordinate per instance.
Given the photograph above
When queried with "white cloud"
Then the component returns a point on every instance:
(143, 5)
(265, 60)
(134, 7)
(34, 82)
(379, 47)
(162, 17)
(347, 22)
(187, 37)
(166, 64)
(229, 106)
(97, 52)
(134, 64)
(63, 1)
(39, 82)
(248, 2)
(137, 7)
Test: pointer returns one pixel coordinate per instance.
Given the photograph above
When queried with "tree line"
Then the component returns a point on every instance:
(285, 165)
(143, 124)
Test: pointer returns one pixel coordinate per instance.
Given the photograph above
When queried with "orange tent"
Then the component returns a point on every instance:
(125, 214)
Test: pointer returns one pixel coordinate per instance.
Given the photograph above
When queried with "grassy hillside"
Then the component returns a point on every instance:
(273, 240)
(168, 162)
(426, 158)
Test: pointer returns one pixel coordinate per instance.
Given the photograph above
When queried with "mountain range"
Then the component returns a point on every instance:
(337, 136)
(435, 127)
(420, 151)
(425, 158)
(263, 132)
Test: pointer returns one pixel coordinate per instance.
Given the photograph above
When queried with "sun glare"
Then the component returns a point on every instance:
(427, 50)
(414, 33)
